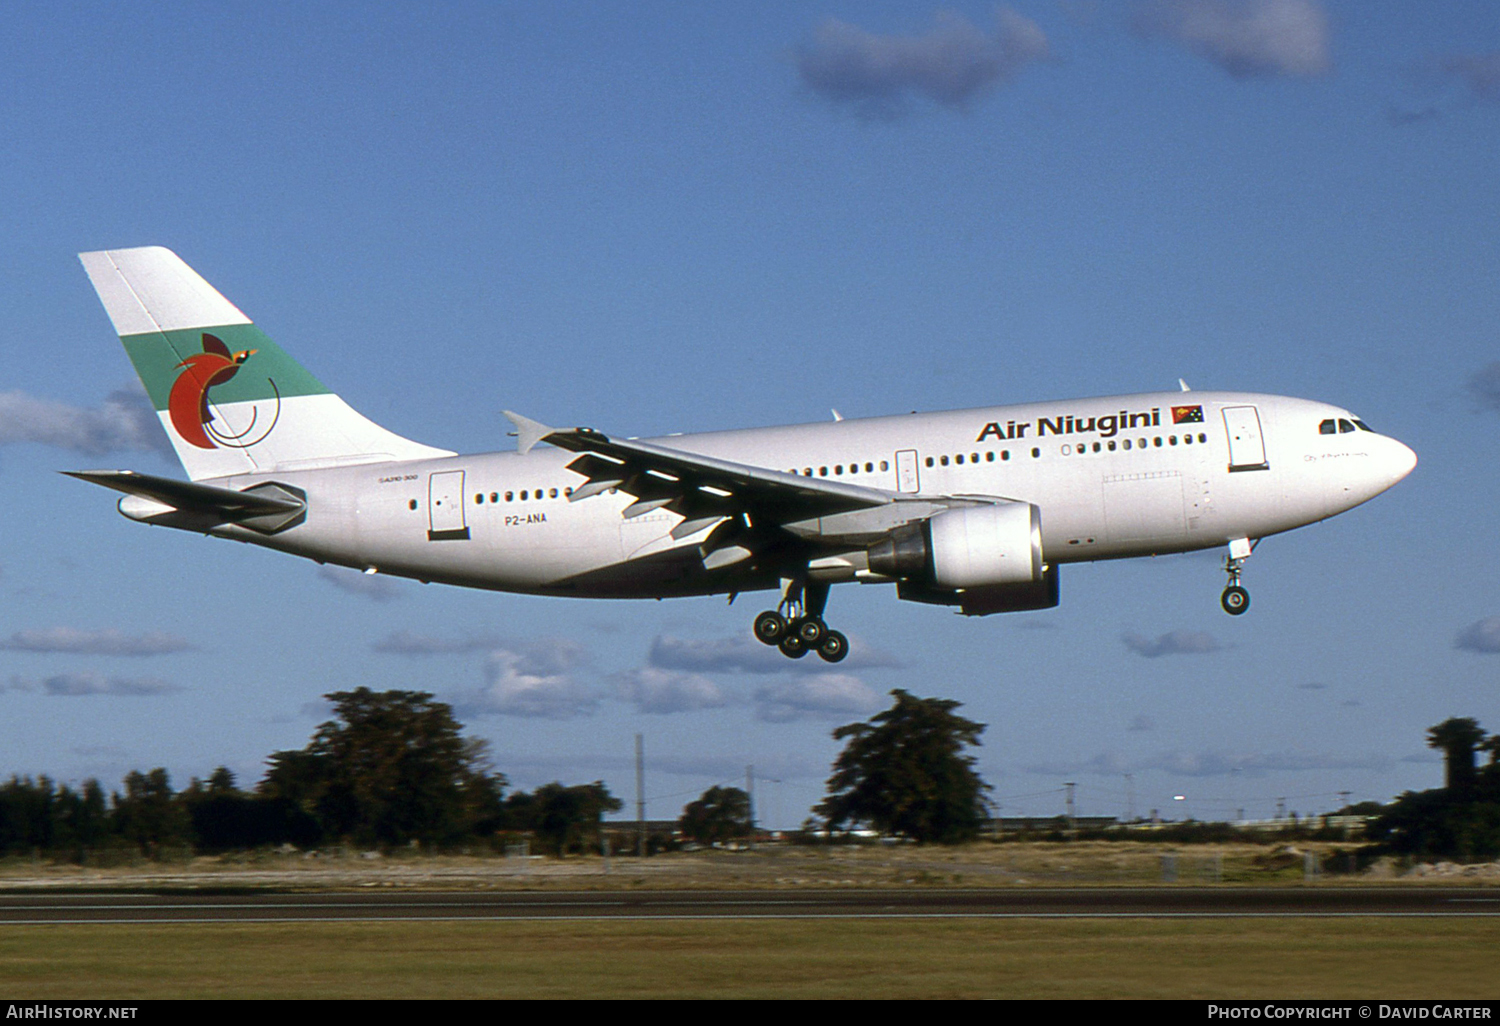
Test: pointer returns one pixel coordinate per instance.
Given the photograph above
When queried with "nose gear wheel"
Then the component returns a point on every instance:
(1235, 599)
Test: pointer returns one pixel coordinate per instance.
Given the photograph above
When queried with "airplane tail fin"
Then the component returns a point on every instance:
(231, 400)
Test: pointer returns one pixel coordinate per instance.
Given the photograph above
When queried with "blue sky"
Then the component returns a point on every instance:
(675, 217)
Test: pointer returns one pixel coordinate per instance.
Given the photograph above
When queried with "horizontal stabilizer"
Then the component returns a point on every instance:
(267, 508)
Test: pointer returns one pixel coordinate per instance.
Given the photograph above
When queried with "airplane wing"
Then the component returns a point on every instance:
(266, 507)
(699, 488)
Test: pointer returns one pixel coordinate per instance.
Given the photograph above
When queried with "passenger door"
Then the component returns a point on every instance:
(445, 507)
(1247, 447)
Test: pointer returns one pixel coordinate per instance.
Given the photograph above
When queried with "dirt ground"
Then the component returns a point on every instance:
(983, 864)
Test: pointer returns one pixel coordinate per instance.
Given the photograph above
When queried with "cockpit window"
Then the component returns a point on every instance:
(1345, 427)
(1363, 426)
(1328, 427)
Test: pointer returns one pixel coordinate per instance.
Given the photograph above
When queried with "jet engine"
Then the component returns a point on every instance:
(985, 559)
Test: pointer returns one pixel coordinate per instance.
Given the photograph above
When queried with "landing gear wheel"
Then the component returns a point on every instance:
(792, 647)
(1235, 600)
(811, 629)
(833, 647)
(770, 627)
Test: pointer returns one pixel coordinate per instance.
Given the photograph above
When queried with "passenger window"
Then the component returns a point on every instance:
(552, 492)
(822, 471)
(1172, 440)
(1096, 446)
(990, 456)
(1111, 446)
(494, 496)
(869, 468)
(1005, 454)
(943, 460)
(885, 465)
(973, 457)
(1126, 443)
(1327, 428)
(1157, 441)
(510, 496)
(1203, 438)
(412, 504)
(1035, 453)
(839, 469)
(523, 495)
(479, 500)
(929, 461)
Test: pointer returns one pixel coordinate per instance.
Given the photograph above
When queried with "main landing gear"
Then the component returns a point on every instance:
(796, 626)
(1236, 599)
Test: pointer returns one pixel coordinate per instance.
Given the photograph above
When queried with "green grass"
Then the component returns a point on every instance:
(875, 958)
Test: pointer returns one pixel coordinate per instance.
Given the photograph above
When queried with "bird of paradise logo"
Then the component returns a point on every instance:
(187, 403)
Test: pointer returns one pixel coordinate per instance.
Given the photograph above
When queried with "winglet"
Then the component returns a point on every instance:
(528, 432)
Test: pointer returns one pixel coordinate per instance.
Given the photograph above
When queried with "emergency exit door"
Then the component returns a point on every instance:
(906, 471)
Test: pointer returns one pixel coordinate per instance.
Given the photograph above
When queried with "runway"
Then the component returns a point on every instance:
(952, 903)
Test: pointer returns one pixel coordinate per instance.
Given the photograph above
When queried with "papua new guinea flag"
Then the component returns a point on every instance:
(1187, 415)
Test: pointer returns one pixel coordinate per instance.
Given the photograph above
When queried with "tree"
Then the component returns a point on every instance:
(904, 772)
(720, 814)
(1458, 738)
(390, 767)
(563, 818)
(147, 813)
(1461, 819)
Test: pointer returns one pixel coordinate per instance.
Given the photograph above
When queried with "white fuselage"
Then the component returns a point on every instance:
(1113, 477)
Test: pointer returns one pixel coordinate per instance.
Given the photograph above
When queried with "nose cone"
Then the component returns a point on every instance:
(1399, 461)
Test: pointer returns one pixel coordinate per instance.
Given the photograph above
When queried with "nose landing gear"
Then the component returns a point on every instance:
(796, 626)
(1236, 599)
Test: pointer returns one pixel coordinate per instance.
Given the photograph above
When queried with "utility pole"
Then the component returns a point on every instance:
(640, 795)
(750, 800)
(1072, 819)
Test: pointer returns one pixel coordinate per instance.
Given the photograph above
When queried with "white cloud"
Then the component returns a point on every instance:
(819, 695)
(654, 690)
(76, 684)
(1247, 38)
(1480, 72)
(534, 682)
(105, 642)
(1172, 643)
(124, 422)
(1213, 764)
(951, 64)
(743, 654)
(1484, 387)
(412, 644)
(1481, 636)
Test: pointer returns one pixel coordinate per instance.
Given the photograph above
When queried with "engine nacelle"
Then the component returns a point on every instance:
(968, 547)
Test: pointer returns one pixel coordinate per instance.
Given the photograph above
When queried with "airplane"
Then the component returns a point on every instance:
(975, 509)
